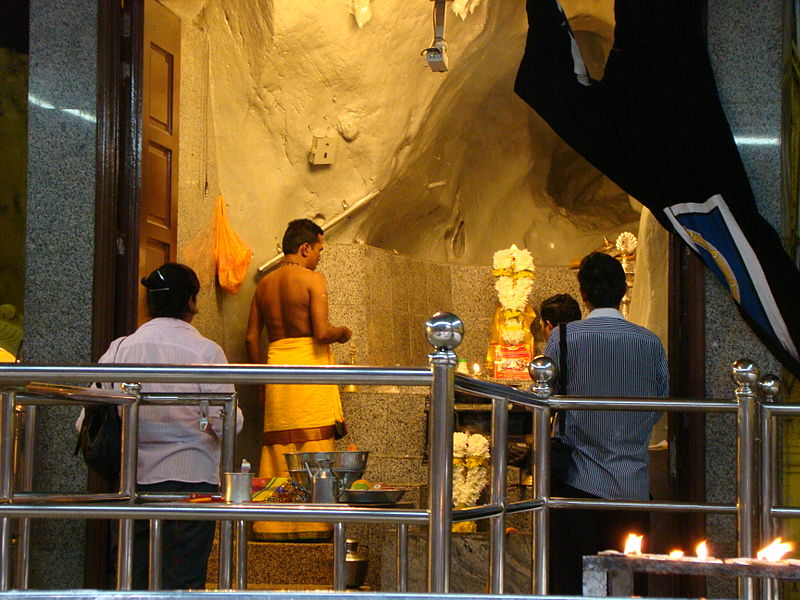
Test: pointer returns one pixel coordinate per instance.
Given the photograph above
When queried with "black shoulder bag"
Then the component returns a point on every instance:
(560, 451)
(100, 438)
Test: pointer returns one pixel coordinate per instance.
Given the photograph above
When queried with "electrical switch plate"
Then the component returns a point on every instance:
(323, 151)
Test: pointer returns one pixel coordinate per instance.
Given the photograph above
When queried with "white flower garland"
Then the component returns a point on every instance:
(626, 243)
(513, 268)
(470, 468)
(464, 7)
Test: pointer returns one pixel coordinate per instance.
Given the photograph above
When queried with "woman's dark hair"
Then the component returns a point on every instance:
(561, 308)
(299, 232)
(169, 289)
(602, 279)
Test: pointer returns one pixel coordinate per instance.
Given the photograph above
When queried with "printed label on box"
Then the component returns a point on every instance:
(511, 362)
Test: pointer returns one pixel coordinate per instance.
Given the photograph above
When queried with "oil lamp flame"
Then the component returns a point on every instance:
(476, 369)
(676, 554)
(775, 551)
(702, 550)
(633, 545)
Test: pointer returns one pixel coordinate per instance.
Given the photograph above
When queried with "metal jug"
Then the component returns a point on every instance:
(356, 565)
(326, 487)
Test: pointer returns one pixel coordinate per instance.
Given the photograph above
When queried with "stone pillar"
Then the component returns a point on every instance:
(60, 252)
(745, 45)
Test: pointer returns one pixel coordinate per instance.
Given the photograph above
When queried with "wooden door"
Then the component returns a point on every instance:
(158, 228)
(136, 198)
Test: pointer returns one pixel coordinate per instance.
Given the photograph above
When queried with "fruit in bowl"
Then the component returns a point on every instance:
(361, 484)
(381, 485)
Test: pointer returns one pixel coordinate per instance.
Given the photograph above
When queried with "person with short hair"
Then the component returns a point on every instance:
(606, 357)
(561, 308)
(179, 446)
(291, 303)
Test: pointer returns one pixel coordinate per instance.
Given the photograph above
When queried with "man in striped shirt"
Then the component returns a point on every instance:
(606, 357)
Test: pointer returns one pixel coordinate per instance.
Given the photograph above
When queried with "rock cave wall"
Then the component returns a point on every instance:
(462, 165)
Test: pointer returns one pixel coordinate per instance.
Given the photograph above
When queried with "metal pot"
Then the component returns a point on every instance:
(347, 465)
(356, 564)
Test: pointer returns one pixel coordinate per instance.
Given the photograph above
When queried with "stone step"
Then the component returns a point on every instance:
(276, 565)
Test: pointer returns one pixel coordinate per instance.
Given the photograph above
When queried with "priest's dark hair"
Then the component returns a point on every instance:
(169, 289)
(299, 232)
(602, 280)
(558, 309)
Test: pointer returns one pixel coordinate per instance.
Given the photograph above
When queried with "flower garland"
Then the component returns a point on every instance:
(513, 269)
(470, 473)
(464, 7)
(626, 243)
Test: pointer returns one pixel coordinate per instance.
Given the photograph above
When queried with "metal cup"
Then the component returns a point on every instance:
(238, 487)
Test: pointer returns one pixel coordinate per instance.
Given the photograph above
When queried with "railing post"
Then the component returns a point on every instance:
(402, 557)
(770, 388)
(444, 332)
(154, 549)
(497, 533)
(226, 466)
(339, 557)
(745, 374)
(241, 555)
(8, 400)
(542, 371)
(26, 485)
(130, 437)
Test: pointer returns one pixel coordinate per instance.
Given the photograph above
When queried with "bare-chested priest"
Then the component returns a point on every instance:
(291, 303)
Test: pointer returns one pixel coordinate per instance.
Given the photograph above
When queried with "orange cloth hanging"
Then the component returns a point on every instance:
(232, 254)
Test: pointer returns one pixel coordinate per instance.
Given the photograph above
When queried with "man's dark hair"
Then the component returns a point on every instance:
(602, 279)
(169, 289)
(561, 308)
(299, 232)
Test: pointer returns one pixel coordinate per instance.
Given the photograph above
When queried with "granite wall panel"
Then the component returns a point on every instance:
(745, 48)
(60, 253)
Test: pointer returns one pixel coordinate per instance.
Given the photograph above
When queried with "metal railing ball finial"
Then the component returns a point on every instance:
(543, 371)
(745, 372)
(770, 387)
(444, 330)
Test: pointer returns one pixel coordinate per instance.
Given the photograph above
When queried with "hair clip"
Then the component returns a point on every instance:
(163, 289)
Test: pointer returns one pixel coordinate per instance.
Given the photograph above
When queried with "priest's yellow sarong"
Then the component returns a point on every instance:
(297, 418)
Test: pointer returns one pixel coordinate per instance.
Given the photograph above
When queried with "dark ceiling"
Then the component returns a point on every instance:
(14, 25)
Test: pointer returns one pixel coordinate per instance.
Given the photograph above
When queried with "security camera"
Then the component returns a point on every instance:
(437, 56)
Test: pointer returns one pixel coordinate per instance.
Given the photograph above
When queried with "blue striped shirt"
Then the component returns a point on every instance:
(609, 357)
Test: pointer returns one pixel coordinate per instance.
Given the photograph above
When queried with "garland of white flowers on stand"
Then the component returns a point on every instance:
(470, 473)
(626, 244)
(513, 269)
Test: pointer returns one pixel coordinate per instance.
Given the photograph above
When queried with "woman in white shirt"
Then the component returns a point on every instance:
(179, 446)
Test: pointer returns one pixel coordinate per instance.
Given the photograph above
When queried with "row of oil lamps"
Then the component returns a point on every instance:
(774, 552)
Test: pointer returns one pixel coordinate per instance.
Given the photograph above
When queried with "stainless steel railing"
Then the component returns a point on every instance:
(744, 373)
(444, 333)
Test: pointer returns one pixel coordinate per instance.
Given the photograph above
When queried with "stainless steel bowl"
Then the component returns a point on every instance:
(347, 465)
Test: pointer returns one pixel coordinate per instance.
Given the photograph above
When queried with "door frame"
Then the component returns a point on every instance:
(118, 176)
(118, 170)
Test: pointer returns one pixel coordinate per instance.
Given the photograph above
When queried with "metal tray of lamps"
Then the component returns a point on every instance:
(371, 496)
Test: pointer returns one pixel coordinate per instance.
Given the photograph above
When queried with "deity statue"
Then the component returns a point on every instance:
(514, 357)
(511, 346)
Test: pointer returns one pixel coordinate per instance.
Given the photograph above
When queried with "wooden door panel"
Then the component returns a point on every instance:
(160, 81)
(156, 253)
(158, 186)
(162, 92)
(158, 227)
